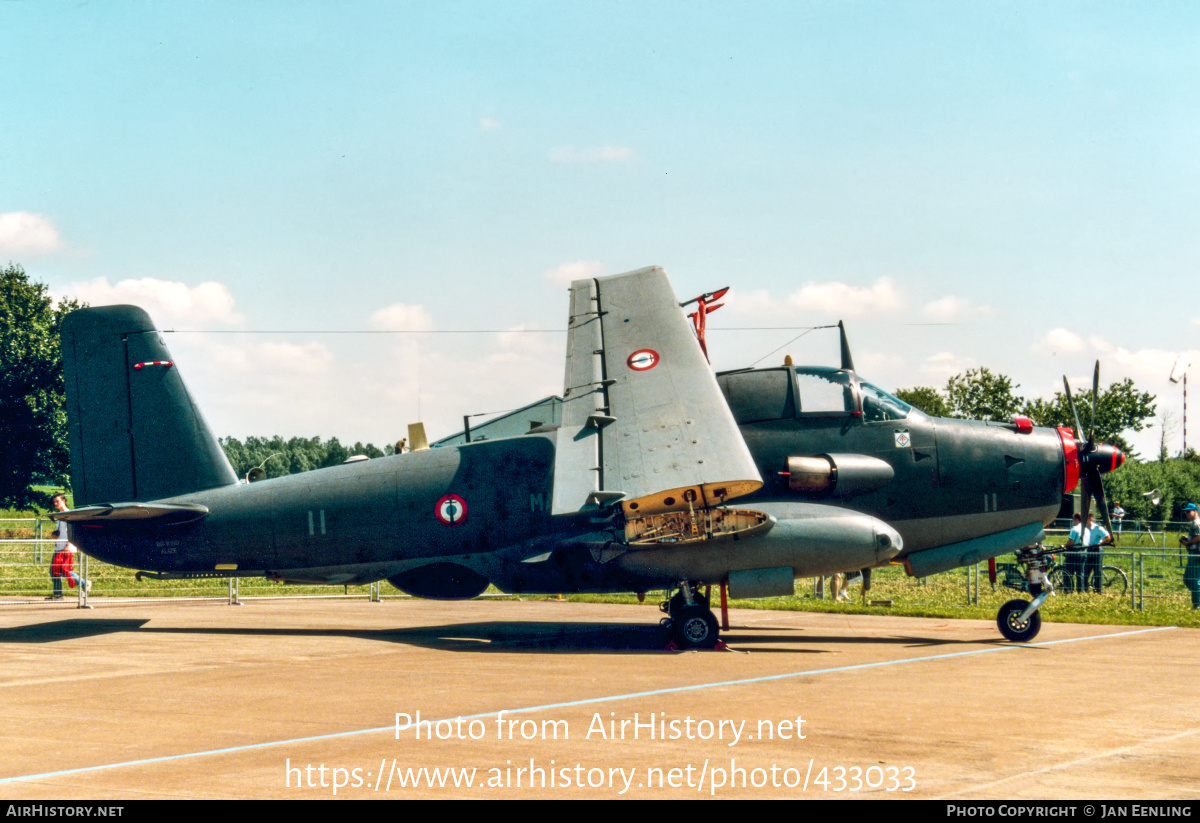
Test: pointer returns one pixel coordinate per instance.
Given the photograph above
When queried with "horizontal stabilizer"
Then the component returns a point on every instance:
(643, 416)
(167, 513)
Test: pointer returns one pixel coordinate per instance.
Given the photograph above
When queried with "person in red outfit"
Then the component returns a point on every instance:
(63, 563)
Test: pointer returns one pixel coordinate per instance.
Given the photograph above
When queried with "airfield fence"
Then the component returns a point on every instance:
(1159, 586)
(26, 549)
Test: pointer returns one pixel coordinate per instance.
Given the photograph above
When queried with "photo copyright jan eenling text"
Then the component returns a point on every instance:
(1082, 810)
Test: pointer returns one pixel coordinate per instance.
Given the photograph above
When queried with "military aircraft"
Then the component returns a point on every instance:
(660, 476)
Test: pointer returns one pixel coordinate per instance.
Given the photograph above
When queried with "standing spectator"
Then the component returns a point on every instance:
(1118, 515)
(1074, 556)
(1191, 575)
(1096, 536)
(839, 588)
(63, 562)
(61, 566)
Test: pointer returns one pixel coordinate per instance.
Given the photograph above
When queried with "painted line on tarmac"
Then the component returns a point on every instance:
(1057, 766)
(574, 703)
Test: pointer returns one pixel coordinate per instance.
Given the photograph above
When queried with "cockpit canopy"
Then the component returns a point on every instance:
(807, 392)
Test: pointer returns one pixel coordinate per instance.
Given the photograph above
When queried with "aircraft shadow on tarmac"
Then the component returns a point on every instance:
(499, 636)
(54, 630)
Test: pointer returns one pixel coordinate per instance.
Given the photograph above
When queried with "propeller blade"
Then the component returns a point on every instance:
(1095, 393)
(1102, 504)
(1085, 497)
(1071, 405)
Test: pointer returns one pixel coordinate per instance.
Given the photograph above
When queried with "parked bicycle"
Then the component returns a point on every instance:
(1063, 576)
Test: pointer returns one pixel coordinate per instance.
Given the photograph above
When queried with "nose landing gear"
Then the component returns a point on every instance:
(1019, 620)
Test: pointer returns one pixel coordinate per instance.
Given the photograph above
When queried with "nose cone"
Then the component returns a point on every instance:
(1104, 458)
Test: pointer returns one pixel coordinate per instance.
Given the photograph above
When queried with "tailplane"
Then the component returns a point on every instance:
(135, 433)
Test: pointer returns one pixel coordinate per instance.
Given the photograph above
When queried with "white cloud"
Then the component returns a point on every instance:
(1058, 341)
(755, 303)
(944, 365)
(170, 304)
(294, 358)
(401, 317)
(488, 124)
(23, 233)
(256, 358)
(950, 309)
(1150, 366)
(518, 343)
(840, 298)
(1143, 365)
(877, 363)
(579, 270)
(605, 154)
(837, 299)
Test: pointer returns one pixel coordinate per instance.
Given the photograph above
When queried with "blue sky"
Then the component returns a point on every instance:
(1024, 174)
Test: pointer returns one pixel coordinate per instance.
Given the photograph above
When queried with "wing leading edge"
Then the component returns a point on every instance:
(644, 421)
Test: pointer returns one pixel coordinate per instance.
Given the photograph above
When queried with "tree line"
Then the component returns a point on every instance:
(33, 413)
(279, 457)
(981, 394)
(1176, 482)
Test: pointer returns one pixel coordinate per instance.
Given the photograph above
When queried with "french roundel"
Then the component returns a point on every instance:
(451, 510)
(643, 360)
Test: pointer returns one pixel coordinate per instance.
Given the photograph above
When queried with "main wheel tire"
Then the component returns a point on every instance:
(696, 628)
(1115, 580)
(1012, 627)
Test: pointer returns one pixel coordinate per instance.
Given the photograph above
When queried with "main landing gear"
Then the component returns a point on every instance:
(690, 621)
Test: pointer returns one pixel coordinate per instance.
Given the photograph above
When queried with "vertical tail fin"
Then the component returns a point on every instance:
(135, 434)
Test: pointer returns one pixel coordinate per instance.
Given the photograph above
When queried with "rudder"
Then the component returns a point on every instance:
(135, 433)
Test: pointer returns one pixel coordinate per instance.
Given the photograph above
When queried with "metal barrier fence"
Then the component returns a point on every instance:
(25, 577)
(25, 573)
(1147, 580)
(1160, 585)
(25, 528)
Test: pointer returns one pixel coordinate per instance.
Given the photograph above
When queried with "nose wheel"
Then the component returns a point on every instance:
(1011, 624)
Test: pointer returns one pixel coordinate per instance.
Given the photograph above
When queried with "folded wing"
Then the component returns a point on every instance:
(644, 421)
